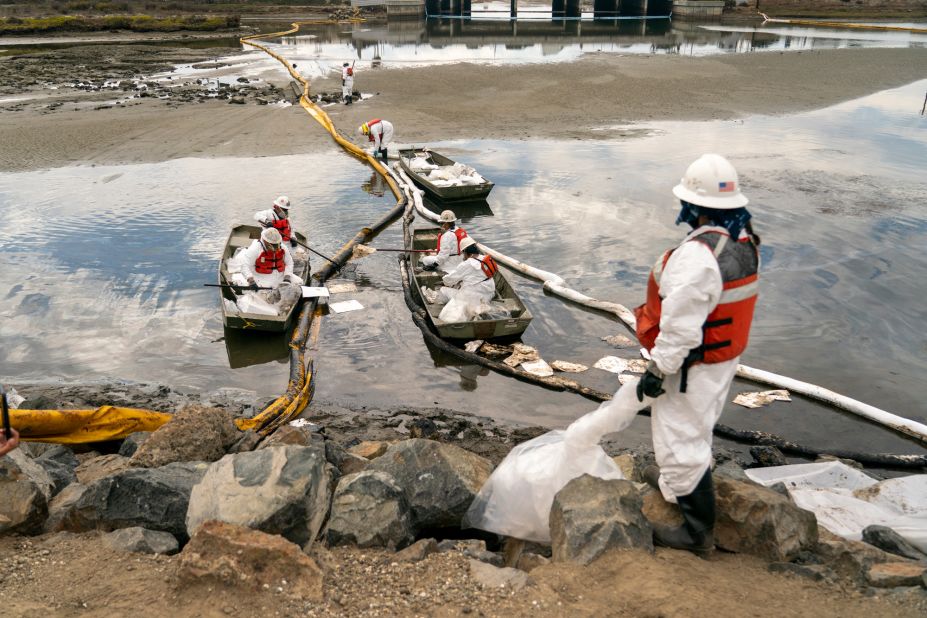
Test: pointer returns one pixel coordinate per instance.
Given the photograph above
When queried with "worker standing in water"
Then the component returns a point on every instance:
(448, 247)
(695, 324)
(380, 132)
(347, 83)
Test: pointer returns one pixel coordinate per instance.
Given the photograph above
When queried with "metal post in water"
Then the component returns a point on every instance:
(514, 9)
(924, 107)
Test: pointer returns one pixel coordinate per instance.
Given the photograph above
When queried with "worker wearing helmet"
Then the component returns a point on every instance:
(347, 83)
(267, 262)
(473, 280)
(278, 217)
(695, 323)
(448, 248)
(380, 132)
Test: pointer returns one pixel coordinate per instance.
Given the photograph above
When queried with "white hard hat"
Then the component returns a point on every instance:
(271, 236)
(282, 202)
(447, 216)
(711, 181)
(466, 242)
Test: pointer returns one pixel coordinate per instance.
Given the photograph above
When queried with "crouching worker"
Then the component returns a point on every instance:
(448, 248)
(695, 323)
(267, 263)
(469, 286)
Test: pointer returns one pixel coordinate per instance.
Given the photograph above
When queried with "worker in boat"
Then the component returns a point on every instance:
(695, 323)
(473, 277)
(267, 263)
(448, 247)
(278, 217)
(347, 83)
(380, 132)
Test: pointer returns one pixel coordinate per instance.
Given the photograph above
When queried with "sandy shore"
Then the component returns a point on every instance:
(579, 100)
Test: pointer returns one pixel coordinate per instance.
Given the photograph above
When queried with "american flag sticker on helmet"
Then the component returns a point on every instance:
(725, 186)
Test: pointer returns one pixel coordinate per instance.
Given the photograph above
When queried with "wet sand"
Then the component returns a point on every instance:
(588, 99)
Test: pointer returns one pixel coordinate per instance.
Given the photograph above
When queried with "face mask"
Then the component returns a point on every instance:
(688, 214)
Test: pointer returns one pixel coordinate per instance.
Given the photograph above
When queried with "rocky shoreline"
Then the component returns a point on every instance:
(352, 511)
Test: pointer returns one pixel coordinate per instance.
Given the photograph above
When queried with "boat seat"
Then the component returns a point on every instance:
(239, 241)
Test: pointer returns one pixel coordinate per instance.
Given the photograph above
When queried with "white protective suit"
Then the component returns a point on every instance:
(266, 217)
(447, 258)
(382, 134)
(474, 290)
(682, 423)
(347, 82)
(271, 280)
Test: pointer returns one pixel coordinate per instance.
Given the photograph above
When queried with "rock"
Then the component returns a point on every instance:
(351, 464)
(237, 100)
(369, 449)
(816, 573)
(243, 558)
(369, 509)
(290, 435)
(888, 540)
(61, 504)
(417, 551)
(279, 490)
(895, 574)
(755, 520)
(59, 454)
(591, 515)
(153, 498)
(99, 467)
(422, 428)
(439, 480)
(195, 433)
(132, 442)
(729, 470)
(659, 512)
(495, 577)
(768, 456)
(628, 466)
(850, 462)
(25, 489)
(849, 559)
(527, 562)
(248, 441)
(61, 474)
(142, 541)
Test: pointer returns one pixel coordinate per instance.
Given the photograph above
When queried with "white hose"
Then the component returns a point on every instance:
(555, 285)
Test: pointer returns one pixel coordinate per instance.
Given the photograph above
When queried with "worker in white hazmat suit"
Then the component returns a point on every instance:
(448, 247)
(267, 262)
(380, 132)
(278, 217)
(347, 83)
(468, 286)
(695, 324)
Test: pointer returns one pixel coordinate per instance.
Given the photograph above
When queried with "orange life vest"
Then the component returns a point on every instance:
(459, 233)
(727, 329)
(269, 261)
(489, 266)
(370, 128)
(350, 72)
(282, 226)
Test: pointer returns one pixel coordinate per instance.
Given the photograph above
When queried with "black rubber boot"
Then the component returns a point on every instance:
(697, 532)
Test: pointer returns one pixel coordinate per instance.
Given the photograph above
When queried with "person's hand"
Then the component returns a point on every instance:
(8, 444)
(265, 224)
(252, 284)
(293, 242)
(651, 383)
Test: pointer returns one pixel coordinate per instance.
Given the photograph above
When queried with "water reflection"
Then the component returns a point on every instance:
(435, 41)
(245, 348)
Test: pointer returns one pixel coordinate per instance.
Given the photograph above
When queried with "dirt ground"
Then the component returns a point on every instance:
(597, 97)
(76, 575)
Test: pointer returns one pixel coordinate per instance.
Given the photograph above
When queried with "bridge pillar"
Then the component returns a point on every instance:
(432, 7)
(514, 9)
(558, 9)
(573, 8)
(466, 8)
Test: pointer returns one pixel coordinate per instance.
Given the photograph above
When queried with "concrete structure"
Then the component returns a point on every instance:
(405, 9)
(698, 9)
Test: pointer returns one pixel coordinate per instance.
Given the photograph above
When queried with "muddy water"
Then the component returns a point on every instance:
(102, 267)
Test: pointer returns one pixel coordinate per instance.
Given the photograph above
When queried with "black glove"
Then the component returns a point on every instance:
(252, 284)
(651, 383)
(293, 242)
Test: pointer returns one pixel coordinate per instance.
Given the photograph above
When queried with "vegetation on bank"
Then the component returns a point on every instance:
(137, 23)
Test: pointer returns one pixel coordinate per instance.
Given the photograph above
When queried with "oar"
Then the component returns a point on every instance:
(234, 287)
(361, 251)
(302, 244)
